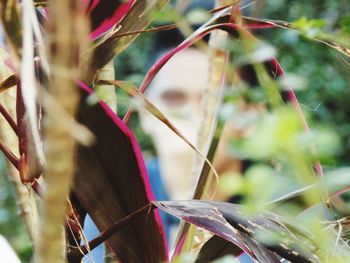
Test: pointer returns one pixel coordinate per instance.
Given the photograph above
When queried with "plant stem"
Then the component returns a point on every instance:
(9, 155)
(76, 254)
(68, 28)
(8, 118)
(106, 92)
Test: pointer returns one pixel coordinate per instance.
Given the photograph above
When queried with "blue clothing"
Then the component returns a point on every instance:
(90, 230)
(160, 194)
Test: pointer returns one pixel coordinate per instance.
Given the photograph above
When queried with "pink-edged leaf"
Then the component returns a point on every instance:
(105, 14)
(131, 90)
(138, 17)
(197, 35)
(230, 222)
(111, 182)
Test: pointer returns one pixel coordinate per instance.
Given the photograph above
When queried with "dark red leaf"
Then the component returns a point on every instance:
(111, 182)
(104, 14)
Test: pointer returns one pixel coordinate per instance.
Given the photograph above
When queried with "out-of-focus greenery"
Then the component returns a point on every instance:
(11, 225)
(326, 72)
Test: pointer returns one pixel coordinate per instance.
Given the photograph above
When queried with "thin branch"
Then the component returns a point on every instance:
(9, 155)
(9, 118)
(76, 254)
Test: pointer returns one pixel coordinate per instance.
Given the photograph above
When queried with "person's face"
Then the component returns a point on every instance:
(177, 91)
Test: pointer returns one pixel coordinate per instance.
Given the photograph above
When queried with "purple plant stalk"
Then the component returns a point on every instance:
(9, 155)
(6, 151)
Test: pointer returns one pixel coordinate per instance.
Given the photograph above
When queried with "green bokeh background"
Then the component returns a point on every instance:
(324, 99)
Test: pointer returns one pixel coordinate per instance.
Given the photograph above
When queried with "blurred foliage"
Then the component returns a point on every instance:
(326, 71)
(11, 225)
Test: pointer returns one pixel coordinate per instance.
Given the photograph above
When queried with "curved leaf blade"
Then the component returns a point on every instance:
(231, 223)
(111, 182)
(105, 14)
(138, 17)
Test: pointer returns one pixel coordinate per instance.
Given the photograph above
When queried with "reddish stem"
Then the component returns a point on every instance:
(9, 118)
(9, 155)
(76, 254)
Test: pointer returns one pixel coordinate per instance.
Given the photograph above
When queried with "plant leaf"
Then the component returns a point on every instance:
(231, 223)
(111, 182)
(139, 16)
(209, 217)
(8, 83)
(105, 14)
(215, 248)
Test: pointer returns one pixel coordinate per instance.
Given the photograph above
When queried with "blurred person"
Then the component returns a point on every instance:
(177, 91)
